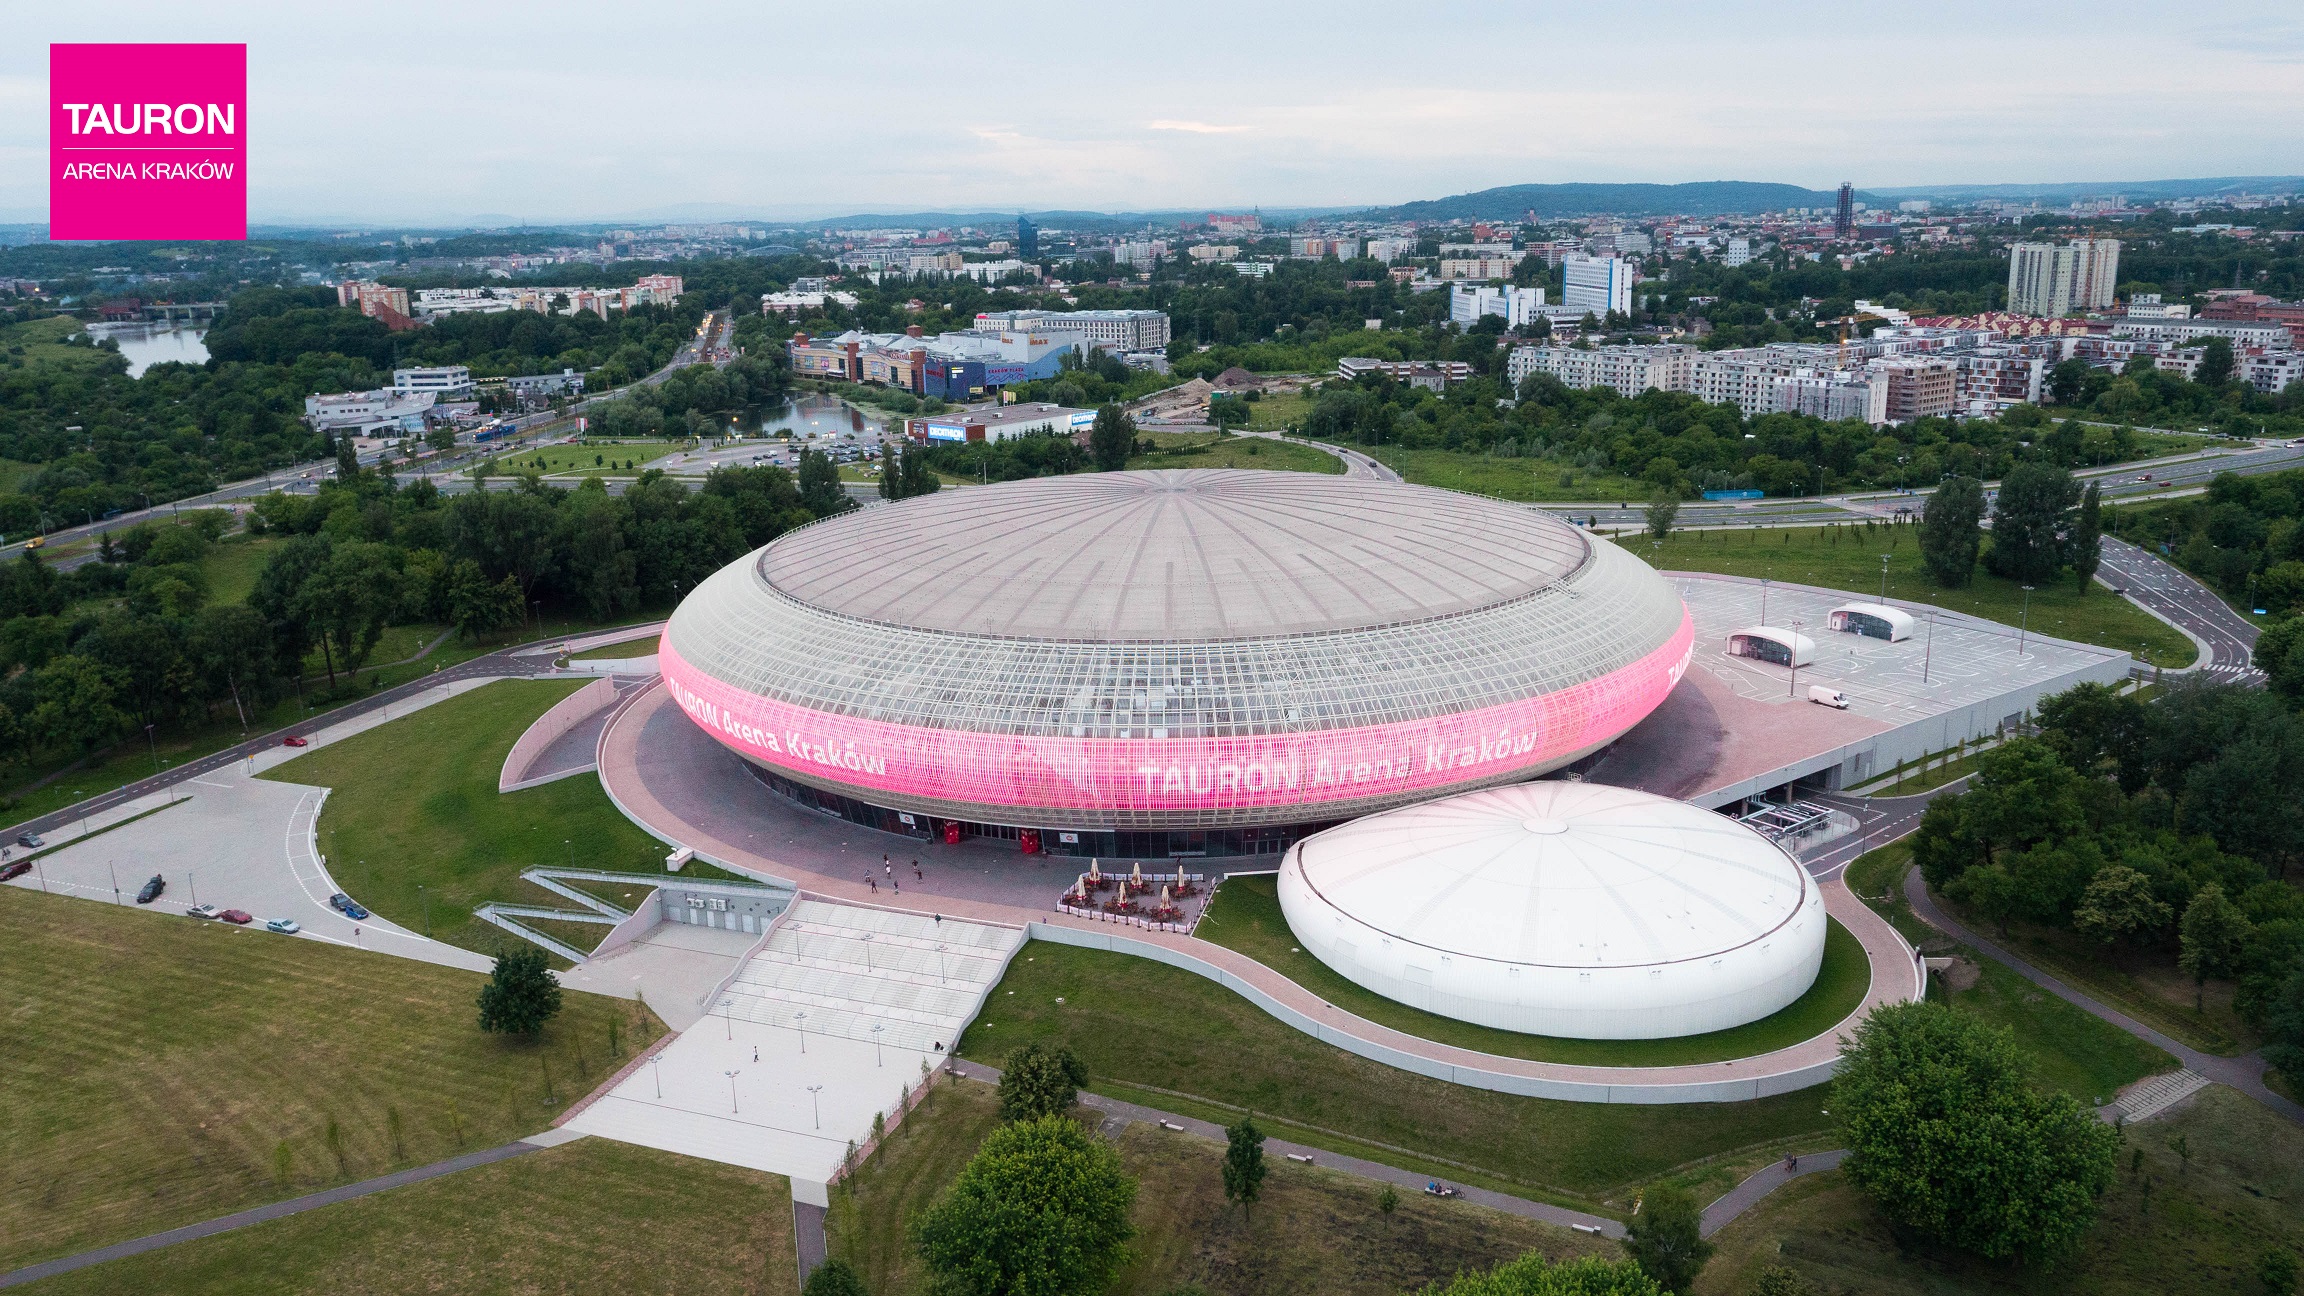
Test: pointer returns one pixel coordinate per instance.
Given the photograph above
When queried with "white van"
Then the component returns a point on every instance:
(1830, 697)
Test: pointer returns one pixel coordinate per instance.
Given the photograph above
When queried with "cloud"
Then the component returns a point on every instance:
(1196, 128)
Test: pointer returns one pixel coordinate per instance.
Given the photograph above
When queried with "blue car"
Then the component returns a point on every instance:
(347, 906)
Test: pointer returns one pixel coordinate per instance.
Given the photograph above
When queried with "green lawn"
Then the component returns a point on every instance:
(2177, 1228)
(1512, 479)
(588, 1216)
(154, 1065)
(43, 343)
(1215, 450)
(640, 646)
(2073, 1050)
(1245, 916)
(580, 459)
(1139, 1023)
(415, 803)
(1847, 557)
(12, 472)
(1274, 413)
(233, 564)
(1313, 1231)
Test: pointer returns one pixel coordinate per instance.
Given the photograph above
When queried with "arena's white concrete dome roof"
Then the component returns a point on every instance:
(1182, 649)
(1561, 908)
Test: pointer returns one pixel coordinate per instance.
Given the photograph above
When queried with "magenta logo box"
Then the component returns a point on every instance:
(148, 141)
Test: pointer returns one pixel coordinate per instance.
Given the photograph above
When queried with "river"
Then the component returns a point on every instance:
(146, 345)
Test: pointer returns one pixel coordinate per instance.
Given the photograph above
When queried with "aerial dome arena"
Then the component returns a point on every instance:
(1561, 908)
(1149, 664)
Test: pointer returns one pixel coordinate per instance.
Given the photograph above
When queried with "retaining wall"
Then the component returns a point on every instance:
(565, 715)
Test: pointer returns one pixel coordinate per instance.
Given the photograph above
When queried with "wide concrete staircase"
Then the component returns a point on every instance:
(835, 970)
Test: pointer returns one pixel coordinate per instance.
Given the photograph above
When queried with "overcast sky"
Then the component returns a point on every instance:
(419, 111)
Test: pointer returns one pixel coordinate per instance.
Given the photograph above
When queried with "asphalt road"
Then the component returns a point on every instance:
(2159, 586)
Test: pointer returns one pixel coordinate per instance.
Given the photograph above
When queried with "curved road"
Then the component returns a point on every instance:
(2173, 595)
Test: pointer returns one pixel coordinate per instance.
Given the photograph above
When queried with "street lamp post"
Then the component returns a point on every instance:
(800, 1023)
(115, 880)
(1929, 655)
(1763, 600)
(657, 1071)
(877, 1060)
(727, 1018)
(2024, 624)
(816, 1104)
(731, 1091)
(1884, 580)
(1794, 690)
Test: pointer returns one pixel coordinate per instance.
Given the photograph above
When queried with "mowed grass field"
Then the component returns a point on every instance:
(588, 1216)
(1142, 1026)
(414, 803)
(1215, 450)
(2176, 1226)
(1246, 916)
(1848, 558)
(1313, 1231)
(583, 460)
(155, 1066)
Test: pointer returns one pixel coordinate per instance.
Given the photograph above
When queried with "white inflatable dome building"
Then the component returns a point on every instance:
(1557, 908)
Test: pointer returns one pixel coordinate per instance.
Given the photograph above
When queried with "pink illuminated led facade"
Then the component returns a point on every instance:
(1237, 654)
(1062, 781)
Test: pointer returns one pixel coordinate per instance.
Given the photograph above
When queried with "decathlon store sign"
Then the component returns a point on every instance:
(147, 141)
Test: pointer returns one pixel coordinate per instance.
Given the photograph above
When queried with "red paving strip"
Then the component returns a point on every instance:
(1897, 974)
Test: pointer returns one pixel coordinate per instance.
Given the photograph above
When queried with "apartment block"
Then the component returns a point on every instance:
(2050, 281)
(1629, 369)
(1598, 285)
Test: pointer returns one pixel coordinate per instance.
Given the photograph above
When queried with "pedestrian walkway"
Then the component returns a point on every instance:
(281, 1210)
(1766, 1180)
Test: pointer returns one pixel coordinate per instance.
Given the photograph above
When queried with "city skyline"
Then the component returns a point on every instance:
(450, 114)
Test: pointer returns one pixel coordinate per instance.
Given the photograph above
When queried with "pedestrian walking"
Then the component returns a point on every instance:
(887, 868)
(917, 875)
(873, 883)
(755, 1052)
(897, 884)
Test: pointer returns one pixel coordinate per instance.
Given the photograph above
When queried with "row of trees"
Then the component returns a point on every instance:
(2043, 522)
(2152, 828)
(91, 656)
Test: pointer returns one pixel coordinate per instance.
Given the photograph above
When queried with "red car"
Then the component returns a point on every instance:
(238, 917)
(292, 741)
(15, 869)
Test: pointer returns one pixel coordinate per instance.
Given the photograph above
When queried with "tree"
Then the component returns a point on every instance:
(2277, 1271)
(1387, 1201)
(1243, 1163)
(2215, 363)
(1040, 1080)
(2097, 730)
(1666, 1238)
(2028, 523)
(477, 607)
(1041, 1210)
(2068, 381)
(1533, 1275)
(1991, 891)
(2084, 548)
(1776, 1280)
(891, 473)
(2284, 1028)
(919, 477)
(820, 491)
(1112, 439)
(2119, 906)
(2211, 940)
(1949, 1137)
(2279, 653)
(834, 1277)
(1951, 531)
(442, 438)
(521, 994)
(1662, 511)
(347, 459)
(1227, 413)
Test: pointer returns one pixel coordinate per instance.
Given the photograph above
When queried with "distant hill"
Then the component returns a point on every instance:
(1700, 198)
(2139, 190)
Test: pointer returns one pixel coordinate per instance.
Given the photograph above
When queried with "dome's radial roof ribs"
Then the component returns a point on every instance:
(1193, 555)
(1559, 874)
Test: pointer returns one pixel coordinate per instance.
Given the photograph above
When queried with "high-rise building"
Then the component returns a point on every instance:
(1844, 215)
(2051, 281)
(1027, 238)
(1598, 285)
(1739, 251)
(1467, 303)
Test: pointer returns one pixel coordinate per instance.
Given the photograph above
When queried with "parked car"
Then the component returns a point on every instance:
(284, 926)
(152, 890)
(14, 869)
(237, 917)
(31, 841)
(292, 741)
(203, 911)
(1830, 697)
(347, 906)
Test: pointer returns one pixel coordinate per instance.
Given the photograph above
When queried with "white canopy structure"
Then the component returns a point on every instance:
(1770, 644)
(1568, 909)
(1873, 620)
